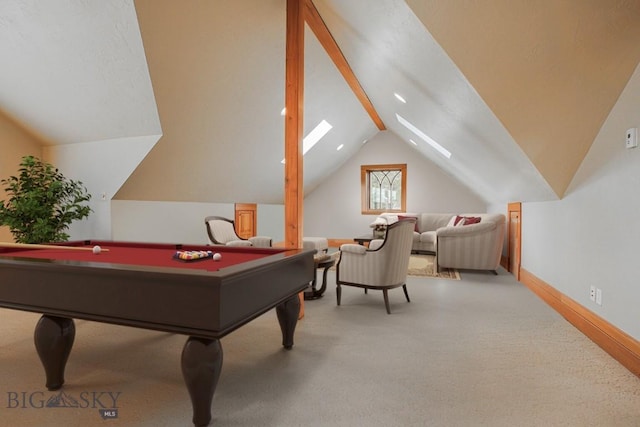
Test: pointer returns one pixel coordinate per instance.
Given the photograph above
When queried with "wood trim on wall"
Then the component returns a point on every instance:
(515, 207)
(622, 347)
(336, 243)
(504, 262)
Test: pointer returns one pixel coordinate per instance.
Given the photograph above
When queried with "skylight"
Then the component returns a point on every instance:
(424, 137)
(314, 136)
(400, 98)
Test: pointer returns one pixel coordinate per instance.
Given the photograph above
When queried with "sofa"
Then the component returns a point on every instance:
(470, 241)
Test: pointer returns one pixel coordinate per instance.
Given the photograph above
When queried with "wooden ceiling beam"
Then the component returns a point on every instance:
(319, 28)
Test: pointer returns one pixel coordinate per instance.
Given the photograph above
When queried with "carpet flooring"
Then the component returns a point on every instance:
(482, 351)
(424, 265)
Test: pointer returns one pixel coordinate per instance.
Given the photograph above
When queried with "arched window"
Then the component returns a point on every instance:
(384, 188)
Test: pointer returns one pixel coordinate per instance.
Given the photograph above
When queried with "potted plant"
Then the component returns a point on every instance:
(42, 203)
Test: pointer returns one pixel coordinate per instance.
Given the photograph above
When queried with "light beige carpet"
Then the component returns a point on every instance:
(481, 352)
(423, 265)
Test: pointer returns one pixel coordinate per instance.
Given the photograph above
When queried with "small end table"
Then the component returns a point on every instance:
(325, 261)
(361, 240)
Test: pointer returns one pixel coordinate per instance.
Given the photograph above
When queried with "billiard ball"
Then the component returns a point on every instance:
(217, 257)
(97, 249)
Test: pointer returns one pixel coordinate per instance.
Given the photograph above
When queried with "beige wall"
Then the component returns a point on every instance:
(553, 79)
(15, 142)
(218, 90)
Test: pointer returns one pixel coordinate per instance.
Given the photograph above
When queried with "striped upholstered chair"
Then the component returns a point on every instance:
(382, 266)
(222, 231)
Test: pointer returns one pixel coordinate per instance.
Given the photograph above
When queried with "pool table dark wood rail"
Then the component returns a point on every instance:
(205, 305)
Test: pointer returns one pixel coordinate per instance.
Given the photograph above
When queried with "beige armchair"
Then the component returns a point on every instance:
(382, 266)
(222, 231)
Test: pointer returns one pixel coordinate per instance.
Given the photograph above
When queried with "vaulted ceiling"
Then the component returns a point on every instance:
(549, 70)
(516, 91)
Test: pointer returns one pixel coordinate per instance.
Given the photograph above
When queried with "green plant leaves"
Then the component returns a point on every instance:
(42, 203)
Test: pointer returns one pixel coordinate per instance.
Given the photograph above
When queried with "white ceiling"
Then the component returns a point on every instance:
(78, 73)
(394, 53)
(75, 71)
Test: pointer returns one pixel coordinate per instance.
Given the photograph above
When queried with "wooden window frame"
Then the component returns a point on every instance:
(364, 187)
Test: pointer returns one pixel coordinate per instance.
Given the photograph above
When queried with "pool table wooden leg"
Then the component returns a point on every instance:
(288, 318)
(201, 366)
(53, 338)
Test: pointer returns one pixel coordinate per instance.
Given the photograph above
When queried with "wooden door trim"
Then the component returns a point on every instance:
(514, 207)
(243, 207)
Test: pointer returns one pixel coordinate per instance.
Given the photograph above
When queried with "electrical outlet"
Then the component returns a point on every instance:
(599, 296)
(592, 293)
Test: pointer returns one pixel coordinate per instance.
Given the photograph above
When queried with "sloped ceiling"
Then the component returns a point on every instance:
(391, 52)
(218, 75)
(550, 71)
(517, 90)
(74, 71)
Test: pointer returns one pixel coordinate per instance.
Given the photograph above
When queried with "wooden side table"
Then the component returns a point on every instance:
(364, 240)
(324, 261)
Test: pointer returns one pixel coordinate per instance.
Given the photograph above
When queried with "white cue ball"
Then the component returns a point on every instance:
(217, 257)
(97, 249)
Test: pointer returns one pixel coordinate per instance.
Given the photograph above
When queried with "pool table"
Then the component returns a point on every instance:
(143, 285)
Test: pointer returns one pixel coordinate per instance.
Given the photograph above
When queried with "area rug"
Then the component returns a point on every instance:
(423, 265)
(420, 265)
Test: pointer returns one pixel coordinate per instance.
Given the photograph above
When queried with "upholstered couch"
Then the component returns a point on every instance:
(463, 241)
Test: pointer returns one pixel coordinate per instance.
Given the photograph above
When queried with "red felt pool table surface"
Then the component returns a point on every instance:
(145, 254)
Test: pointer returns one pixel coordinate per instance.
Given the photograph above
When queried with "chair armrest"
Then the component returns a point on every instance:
(353, 248)
(375, 244)
(260, 241)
